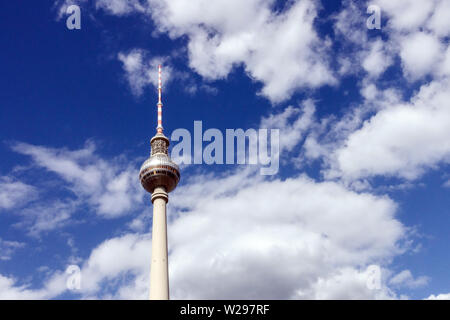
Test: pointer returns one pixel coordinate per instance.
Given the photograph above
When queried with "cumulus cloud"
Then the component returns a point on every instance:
(260, 239)
(282, 50)
(385, 135)
(442, 296)
(290, 233)
(419, 28)
(440, 20)
(401, 140)
(377, 60)
(388, 134)
(115, 261)
(420, 53)
(406, 15)
(9, 290)
(118, 268)
(255, 238)
(346, 284)
(445, 67)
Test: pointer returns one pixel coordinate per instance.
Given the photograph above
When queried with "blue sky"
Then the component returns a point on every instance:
(364, 118)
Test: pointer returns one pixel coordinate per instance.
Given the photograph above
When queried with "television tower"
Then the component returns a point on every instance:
(159, 175)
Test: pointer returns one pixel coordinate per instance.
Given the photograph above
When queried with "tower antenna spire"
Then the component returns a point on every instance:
(159, 128)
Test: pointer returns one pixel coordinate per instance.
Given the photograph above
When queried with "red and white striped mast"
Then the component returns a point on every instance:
(159, 128)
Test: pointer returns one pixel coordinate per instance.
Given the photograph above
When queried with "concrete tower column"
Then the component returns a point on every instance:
(159, 273)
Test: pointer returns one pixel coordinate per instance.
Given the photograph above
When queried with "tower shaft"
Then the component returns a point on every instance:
(159, 275)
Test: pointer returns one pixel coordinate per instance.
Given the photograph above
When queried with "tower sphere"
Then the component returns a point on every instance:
(159, 170)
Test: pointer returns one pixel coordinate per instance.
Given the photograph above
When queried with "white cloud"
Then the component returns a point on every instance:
(7, 248)
(417, 29)
(11, 290)
(440, 20)
(377, 61)
(346, 283)
(62, 5)
(281, 50)
(358, 51)
(46, 216)
(142, 71)
(386, 135)
(403, 139)
(115, 260)
(406, 15)
(350, 23)
(442, 296)
(420, 53)
(406, 279)
(111, 190)
(120, 7)
(15, 193)
(415, 32)
(105, 274)
(290, 233)
(142, 222)
(292, 123)
(247, 237)
(444, 69)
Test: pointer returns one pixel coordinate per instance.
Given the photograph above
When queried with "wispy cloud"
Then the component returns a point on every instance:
(141, 70)
(7, 248)
(111, 189)
(45, 216)
(15, 193)
(406, 279)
